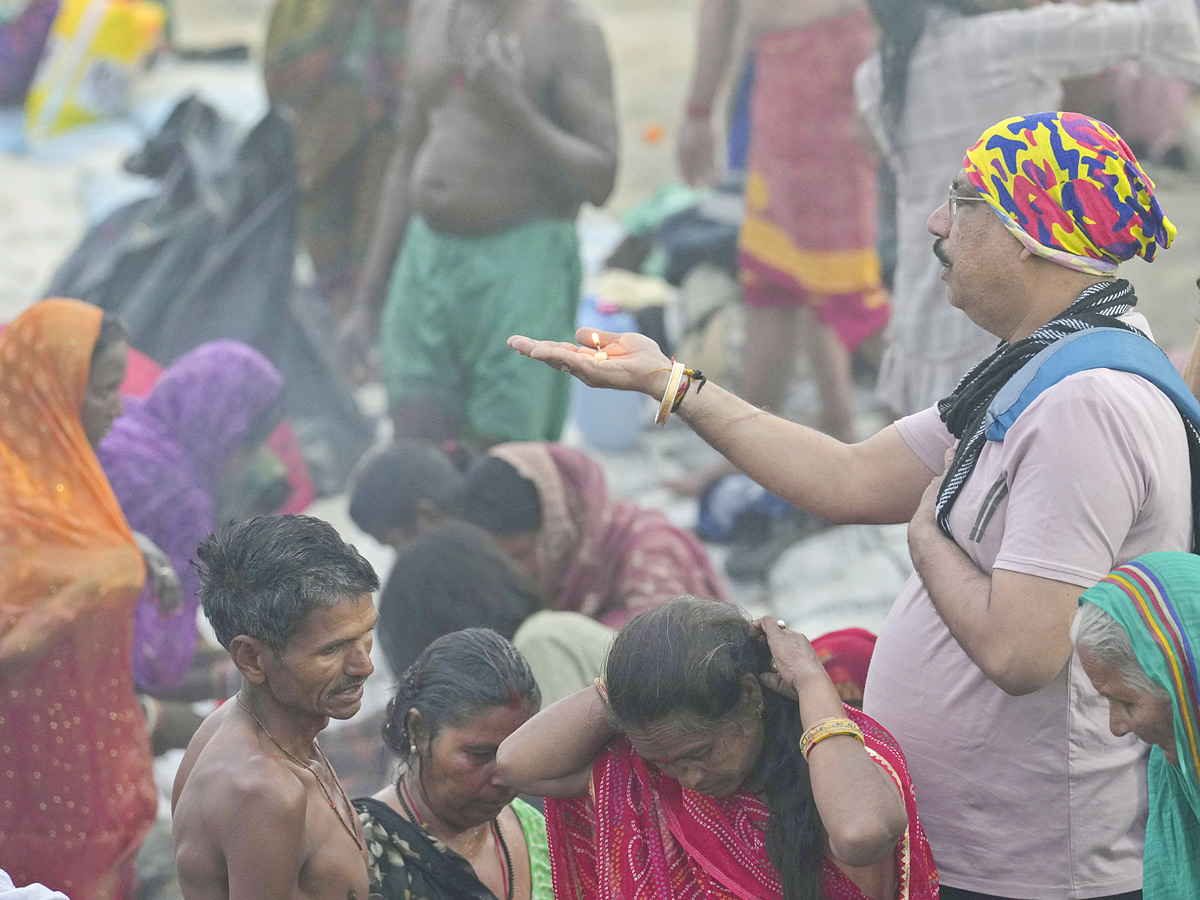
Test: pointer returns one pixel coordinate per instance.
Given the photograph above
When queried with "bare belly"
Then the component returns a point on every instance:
(473, 176)
(766, 17)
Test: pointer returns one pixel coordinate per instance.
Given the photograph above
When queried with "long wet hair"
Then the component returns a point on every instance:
(901, 25)
(687, 660)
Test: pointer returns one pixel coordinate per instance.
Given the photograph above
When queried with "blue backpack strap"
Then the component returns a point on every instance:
(1093, 348)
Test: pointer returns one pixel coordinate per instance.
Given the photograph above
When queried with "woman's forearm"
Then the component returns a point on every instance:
(863, 824)
(551, 755)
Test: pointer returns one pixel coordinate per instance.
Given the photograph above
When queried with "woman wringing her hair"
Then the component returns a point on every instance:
(716, 760)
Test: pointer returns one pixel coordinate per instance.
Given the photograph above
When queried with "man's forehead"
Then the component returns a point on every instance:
(350, 618)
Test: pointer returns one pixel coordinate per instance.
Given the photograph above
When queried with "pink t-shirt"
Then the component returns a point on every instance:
(1033, 796)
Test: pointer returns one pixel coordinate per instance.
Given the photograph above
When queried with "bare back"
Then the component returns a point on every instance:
(249, 824)
(765, 17)
(479, 169)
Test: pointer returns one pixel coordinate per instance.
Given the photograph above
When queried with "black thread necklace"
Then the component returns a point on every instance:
(349, 830)
(402, 789)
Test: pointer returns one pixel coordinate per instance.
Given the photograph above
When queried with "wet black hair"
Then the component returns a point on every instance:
(263, 577)
(687, 659)
(499, 499)
(452, 578)
(454, 679)
(390, 483)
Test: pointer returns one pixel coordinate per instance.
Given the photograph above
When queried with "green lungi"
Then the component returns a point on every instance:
(452, 304)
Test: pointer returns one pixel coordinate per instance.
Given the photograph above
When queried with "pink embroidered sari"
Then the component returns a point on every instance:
(606, 559)
(639, 835)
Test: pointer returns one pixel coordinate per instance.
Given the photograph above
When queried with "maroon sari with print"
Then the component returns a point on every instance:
(607, 559)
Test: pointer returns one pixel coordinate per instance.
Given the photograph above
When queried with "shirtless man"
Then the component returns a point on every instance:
(508, 127)
(258, 811)
(807, 247)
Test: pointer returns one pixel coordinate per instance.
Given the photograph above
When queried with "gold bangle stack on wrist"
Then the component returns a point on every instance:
(827, 728)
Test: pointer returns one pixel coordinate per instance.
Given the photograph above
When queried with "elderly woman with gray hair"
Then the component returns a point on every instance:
(1138, 637)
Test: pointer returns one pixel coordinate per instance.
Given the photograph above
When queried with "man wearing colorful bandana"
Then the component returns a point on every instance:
(1081, 464)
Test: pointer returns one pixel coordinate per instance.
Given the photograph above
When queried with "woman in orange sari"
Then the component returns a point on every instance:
(76, 787)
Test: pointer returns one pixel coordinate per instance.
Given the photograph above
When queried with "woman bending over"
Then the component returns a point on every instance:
(716, 760)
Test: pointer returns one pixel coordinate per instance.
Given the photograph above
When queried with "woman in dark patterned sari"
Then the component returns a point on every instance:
(449, 828)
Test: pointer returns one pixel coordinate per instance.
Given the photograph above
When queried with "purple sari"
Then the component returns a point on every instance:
(164, 459)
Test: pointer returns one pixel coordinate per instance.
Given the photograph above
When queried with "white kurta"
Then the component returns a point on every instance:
(966, 74)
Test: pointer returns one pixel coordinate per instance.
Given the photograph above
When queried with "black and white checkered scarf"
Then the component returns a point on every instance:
(965, 410)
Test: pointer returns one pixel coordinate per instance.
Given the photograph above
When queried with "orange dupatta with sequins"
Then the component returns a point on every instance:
(76, 786)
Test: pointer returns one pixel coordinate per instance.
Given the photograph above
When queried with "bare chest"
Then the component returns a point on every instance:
(453, 37)
(335, 867)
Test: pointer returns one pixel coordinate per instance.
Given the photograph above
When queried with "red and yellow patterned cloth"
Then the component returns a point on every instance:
(808, 236)
(1070, 190)
(639, 835)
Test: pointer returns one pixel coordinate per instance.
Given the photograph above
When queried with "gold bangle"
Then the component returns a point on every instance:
(664, 408)
(601, 689)
(827, 728)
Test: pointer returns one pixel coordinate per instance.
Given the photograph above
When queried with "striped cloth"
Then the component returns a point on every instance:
(965, 410)
(1154, 599)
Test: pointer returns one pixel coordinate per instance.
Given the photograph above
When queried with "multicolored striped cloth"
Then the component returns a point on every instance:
(1156, 598)
(1070, 190)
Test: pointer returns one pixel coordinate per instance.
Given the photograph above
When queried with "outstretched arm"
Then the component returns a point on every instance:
(879, 480)
(551, 755)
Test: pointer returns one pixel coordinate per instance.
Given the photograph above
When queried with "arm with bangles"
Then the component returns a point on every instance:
(878, 481)
(863, 824)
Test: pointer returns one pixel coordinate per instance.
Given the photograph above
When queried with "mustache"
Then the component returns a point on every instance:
(940, 252)
(348, 685)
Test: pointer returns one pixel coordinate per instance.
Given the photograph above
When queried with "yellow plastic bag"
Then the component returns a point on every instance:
(87, 69)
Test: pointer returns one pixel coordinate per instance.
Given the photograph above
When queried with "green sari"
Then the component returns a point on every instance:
(1156, 598)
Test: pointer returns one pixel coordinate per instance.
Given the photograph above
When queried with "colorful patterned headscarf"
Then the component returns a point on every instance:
(1070, 190)
(1156, 599)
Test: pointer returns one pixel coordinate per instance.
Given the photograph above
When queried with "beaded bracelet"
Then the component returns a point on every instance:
(827, 728)
(689, 376)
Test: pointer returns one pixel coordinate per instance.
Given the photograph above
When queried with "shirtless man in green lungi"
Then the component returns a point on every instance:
(508, 127)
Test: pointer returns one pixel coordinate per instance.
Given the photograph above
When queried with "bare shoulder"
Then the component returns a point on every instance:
(234, 781)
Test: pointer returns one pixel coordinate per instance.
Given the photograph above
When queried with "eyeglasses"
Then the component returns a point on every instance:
(953, 199)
